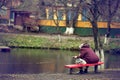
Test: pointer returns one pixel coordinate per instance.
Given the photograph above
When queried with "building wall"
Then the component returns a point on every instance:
(79, 31)
(83, 28)
(80, 24)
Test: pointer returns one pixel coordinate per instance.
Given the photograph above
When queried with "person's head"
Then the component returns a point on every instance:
(84, 45)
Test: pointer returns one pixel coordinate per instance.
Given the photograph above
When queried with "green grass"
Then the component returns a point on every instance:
(27, 41)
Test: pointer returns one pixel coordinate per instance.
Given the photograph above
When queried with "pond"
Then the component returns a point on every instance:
(44, 61)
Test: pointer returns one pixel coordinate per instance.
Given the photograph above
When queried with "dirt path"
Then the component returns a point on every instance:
(104, 75)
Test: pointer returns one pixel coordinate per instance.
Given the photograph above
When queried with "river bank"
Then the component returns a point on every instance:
(50, 41)
(46, 41)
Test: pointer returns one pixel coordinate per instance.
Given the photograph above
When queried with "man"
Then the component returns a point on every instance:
(87, 55)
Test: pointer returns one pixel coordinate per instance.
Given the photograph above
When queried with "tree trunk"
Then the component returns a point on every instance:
(107, 35)
(98, 45)
(100, 54)
(69, 30)
(102, 58)
(95, 34)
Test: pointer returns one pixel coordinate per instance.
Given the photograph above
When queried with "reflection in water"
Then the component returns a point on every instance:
(39, 61)
(112, 61)
(34, 61)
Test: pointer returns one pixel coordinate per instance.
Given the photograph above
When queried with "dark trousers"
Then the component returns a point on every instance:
(83, 71)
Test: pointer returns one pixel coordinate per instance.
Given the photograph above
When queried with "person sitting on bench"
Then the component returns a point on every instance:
(86, 55)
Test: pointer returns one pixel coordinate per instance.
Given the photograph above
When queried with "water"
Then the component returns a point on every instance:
(43, 61)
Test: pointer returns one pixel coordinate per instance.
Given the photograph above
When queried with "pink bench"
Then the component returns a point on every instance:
(72, 66)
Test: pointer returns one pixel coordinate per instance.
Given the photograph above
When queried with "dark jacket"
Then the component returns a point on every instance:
(88, 55)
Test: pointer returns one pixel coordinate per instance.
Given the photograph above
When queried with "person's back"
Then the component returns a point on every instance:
(88, 55)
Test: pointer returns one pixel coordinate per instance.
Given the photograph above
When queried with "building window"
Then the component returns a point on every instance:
(50, 14)
(12, 16)
(60, 15)
(69, 15)
(84, 12)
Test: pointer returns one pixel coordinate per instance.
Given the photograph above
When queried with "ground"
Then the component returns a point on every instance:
(103, 75)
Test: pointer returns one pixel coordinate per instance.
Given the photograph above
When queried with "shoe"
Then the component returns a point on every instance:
(86, 71)
(78, 73)
(81, 72)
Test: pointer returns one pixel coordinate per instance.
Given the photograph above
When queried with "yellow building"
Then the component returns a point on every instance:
(83, 26)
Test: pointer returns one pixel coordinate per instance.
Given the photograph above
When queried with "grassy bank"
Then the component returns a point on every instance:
(48, 41)
(36, 41)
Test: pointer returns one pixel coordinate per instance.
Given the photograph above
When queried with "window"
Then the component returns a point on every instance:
(69, 15)
(84, 12)
(60, 15)
(50, 14)
(12, 16)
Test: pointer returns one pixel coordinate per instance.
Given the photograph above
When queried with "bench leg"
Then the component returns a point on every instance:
(96, 68)
(71, 70)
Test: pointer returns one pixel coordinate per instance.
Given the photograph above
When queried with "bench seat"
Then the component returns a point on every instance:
(72, 66)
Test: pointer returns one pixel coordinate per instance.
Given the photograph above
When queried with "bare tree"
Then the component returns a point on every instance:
(56, 12)
(72, 9)
(57, 20)
(94, 9)
(92, 14)
(108, 12)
